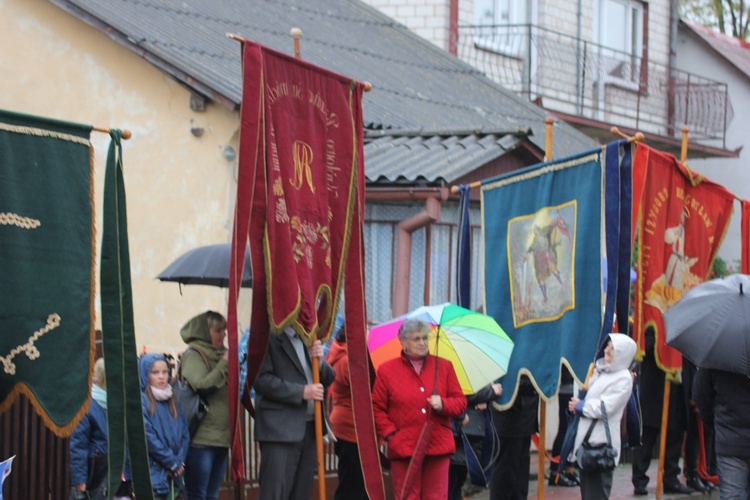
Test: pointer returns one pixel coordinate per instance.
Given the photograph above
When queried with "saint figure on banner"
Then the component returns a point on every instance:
(677, 277)
(541, 249)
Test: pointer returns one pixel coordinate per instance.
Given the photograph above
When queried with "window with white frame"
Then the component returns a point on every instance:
(500, 12)
(503, 22)
(620, 34)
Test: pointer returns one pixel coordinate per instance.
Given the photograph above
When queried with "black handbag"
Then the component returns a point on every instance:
(192, 403)
(597, 457)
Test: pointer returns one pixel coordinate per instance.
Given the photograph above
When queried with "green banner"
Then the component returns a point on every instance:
(125, 416)
(47, 263)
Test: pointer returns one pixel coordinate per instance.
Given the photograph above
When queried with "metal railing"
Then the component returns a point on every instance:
(580, 78)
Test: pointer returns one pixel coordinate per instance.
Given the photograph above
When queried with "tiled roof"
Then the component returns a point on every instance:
(416, 85)
(433, 158)
(734, 50)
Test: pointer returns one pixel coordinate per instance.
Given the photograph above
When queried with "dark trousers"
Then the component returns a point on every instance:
(642, 457)
(510, 477)
(351, 483)
(456, 479)
(692, 444)
(562, 429)
(287, 469)
(596, 485)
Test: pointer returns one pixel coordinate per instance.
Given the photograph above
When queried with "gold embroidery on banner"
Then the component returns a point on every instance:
(53, 321)
(309, 234)
(302, 155)
(9, 219)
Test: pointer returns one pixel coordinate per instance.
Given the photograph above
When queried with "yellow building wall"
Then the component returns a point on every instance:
(180, 189)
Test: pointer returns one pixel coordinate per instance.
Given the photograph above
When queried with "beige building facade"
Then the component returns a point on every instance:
(180, 185)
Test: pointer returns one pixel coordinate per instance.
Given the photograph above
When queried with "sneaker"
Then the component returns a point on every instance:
(640, 491)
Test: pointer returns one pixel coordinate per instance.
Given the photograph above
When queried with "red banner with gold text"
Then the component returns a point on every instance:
(309, 135)
(682, 219)
(300, 202)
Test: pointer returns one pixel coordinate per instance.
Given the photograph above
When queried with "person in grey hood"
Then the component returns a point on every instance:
(204, 366)
(611, 383)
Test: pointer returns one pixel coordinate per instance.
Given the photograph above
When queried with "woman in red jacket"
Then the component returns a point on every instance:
(411, 391)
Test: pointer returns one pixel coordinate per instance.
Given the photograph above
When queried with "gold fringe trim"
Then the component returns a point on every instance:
(92, 292)
(39, 132)
(61, 431)
(542, 170)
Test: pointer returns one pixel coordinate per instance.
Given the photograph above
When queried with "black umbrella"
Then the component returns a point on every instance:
(709, 325)
(208, 265)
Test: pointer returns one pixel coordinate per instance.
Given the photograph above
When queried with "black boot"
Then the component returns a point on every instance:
(694, 481)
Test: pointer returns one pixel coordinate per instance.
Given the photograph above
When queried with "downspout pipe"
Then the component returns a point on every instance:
(453, 27)
(430, 214)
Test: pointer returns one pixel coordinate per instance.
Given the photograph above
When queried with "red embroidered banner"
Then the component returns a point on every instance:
(309, 135)
(300, 200)
(682, 219)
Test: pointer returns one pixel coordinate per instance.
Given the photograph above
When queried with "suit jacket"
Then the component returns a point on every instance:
(280, 410)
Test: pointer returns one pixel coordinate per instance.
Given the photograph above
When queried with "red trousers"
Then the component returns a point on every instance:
(431, 483)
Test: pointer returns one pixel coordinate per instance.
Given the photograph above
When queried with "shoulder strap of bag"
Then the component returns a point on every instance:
(205, 360)
(606, 427)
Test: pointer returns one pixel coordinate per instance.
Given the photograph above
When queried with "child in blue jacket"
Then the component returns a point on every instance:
(167, 432)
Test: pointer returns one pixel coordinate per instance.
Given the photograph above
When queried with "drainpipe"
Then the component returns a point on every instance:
(674, 18)
(430, 214)
(580, 64)
(453, 27)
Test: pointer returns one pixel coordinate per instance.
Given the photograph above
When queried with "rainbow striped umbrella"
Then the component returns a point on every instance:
(476, 345)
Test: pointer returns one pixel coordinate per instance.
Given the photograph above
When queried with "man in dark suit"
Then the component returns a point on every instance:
(652, 396)
(284, 416)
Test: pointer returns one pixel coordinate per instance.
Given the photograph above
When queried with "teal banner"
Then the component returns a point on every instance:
(542, 231)
(47, 264)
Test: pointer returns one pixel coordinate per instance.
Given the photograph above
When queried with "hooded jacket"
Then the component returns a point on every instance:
(214, 429)
(611, 384)
(167, 438)
(89, 439)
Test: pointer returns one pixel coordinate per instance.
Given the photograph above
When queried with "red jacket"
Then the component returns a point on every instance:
(342, 417)
(399, 401)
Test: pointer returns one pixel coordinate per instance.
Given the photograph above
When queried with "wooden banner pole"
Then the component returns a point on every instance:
(684, 145)
(296, 34)
(663, 438)
(126, 134)
(548, 122)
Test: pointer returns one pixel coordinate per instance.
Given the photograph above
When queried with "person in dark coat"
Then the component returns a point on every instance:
(514, 427)
(475, 405)
(652, 396)
(562, 473)
(692, 441)
(88, 447)
(284, 415)
(723, 400)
